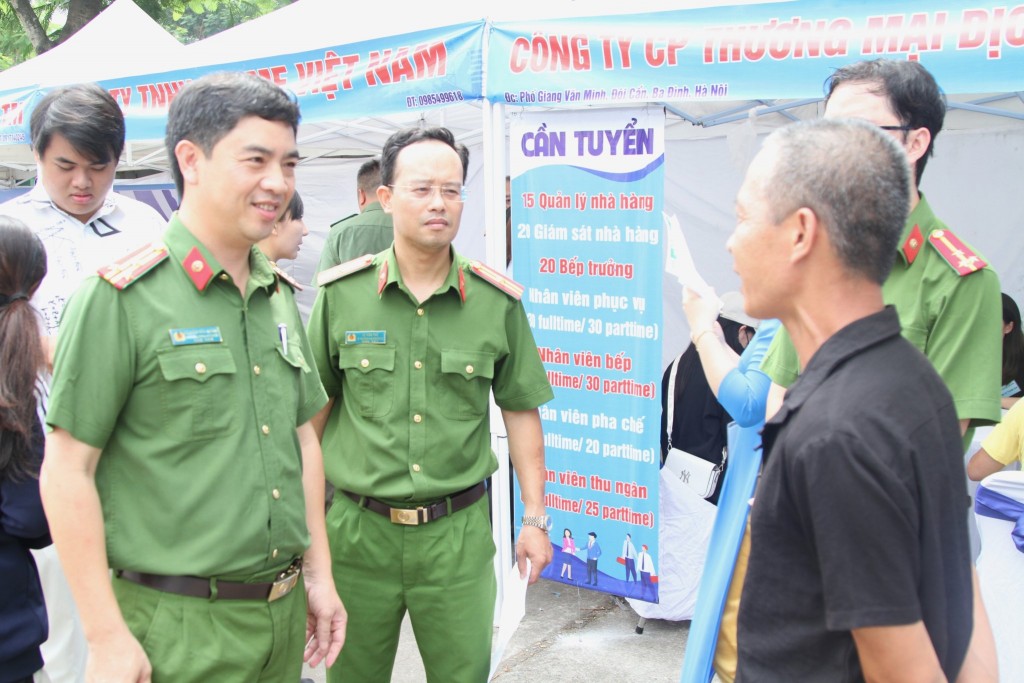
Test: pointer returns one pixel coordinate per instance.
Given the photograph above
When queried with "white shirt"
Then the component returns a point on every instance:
(75, 250)
(646, 562)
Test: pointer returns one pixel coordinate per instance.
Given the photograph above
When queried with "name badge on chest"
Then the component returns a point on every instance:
(185, 336)
(366, 337)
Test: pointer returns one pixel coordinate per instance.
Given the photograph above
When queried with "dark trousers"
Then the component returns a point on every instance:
(645, 580)
(592, 572)
(630, 568)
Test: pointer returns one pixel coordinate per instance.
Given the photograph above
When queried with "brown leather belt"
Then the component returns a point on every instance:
(423, 513)
(197, 587)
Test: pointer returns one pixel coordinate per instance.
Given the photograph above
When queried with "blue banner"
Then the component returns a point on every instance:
(402, 73)
(15, 108)
(764, 51)
(587, 245)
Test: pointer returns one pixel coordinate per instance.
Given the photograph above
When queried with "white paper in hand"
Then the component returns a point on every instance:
(679, 261)
(513, 609)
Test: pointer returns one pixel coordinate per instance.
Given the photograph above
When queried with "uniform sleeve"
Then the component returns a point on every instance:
(1005, 443)
(520, 381)
(965, 346)
(329, 255)
(94, 365)
(321, 345)
(864, 529)
(780, 361)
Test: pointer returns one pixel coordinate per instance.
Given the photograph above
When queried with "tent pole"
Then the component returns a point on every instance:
(493, 126)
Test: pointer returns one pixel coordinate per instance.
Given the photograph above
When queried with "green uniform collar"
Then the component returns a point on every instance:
(202, 268)
(388, 274)
(372, 207)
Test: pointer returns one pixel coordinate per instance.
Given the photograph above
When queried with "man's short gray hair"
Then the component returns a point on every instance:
(856, 180)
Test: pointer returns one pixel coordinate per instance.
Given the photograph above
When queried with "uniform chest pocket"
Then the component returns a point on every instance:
(294, 356)
(465, 383)
(196, 393)
(370, 375)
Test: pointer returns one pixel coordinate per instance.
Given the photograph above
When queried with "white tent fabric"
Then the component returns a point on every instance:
(307, 24)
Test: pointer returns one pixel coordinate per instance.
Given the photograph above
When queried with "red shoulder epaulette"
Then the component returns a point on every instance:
(342, 269)
(958, 255)
(505, 284)
(127, 270)
(292, 282)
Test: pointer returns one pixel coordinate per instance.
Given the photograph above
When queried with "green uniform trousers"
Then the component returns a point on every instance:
(441, 572)
(195, 640)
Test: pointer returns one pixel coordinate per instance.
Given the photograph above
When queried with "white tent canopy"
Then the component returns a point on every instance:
(121, 40)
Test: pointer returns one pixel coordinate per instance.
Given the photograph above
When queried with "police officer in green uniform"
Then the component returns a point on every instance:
(182, 456)
(947, 298)
(368, 232)
(409, 343)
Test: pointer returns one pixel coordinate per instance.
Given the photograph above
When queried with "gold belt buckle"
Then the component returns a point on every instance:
(409, 517)
(284, 585)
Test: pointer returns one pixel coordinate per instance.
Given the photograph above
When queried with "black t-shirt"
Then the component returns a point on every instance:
(860, 516)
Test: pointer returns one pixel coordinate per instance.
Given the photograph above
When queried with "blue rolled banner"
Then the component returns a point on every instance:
(989, 503)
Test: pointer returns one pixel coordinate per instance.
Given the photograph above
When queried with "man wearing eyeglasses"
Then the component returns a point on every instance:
(409, 343)
(947, 297)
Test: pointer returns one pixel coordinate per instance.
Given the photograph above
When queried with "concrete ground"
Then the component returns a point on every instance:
(571, 635)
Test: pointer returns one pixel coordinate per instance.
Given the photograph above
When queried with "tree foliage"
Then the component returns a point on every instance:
(31, 27)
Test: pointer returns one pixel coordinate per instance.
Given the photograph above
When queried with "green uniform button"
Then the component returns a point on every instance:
(469, 369)
(365, 363)
(255, 369)
(419, 311)
(417, 418)
(415, 468)
(265, 429)
(276, 494)
(418, 365)
(201, 368)
(273, 553)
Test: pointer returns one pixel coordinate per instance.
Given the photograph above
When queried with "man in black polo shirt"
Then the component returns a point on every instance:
(859, 566)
